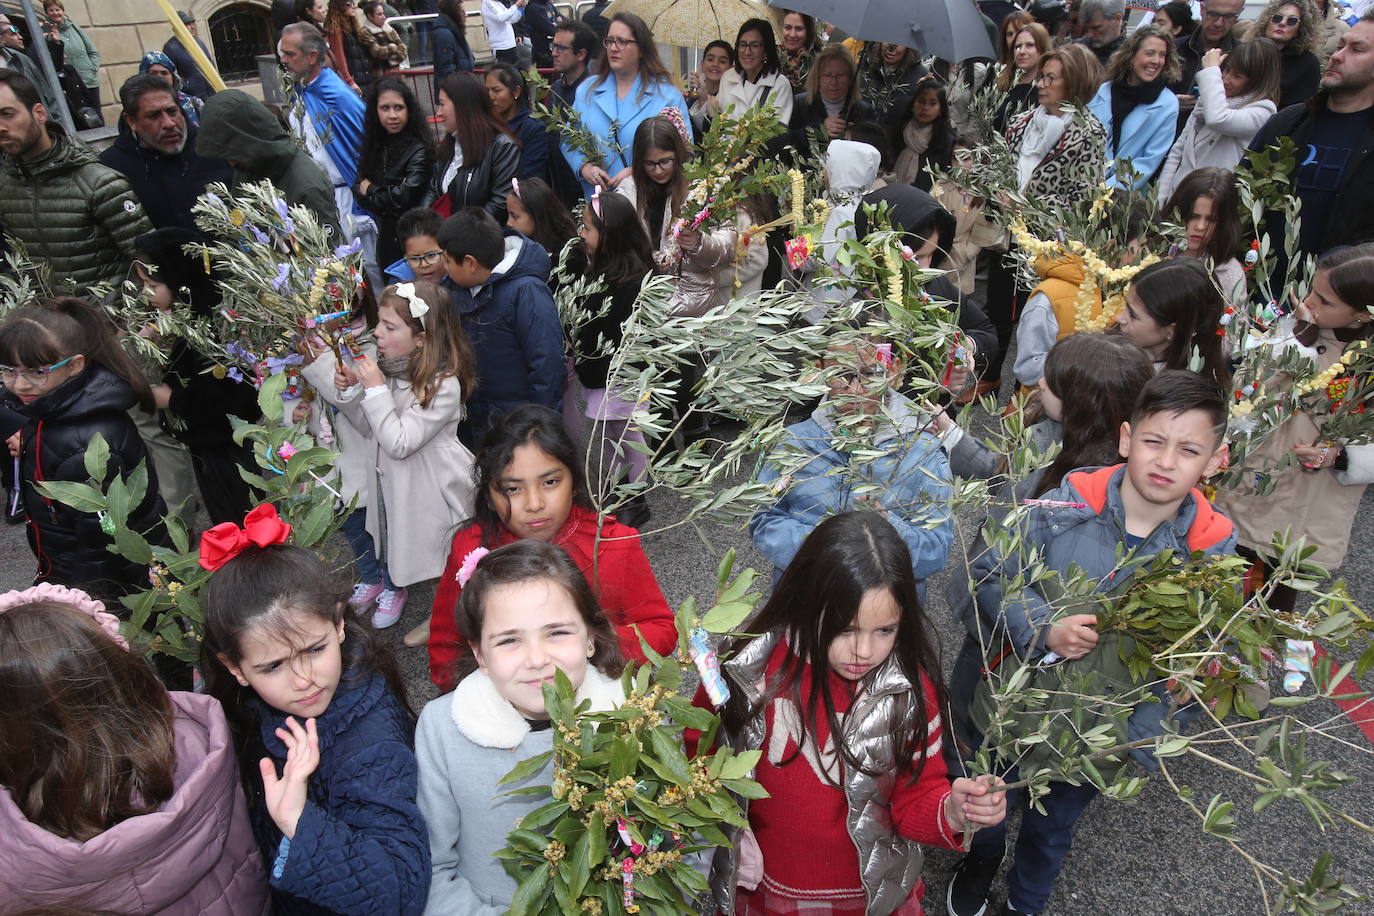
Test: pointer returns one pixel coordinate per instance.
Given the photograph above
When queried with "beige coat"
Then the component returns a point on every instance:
(422, 480)
(354, 445)
(973, 232)
(697, 291)
(1318, 504)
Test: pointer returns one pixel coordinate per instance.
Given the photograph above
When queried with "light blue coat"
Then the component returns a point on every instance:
(613, 120)
(1146, 136)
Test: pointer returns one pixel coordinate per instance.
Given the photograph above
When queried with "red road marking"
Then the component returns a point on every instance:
(1360, 711)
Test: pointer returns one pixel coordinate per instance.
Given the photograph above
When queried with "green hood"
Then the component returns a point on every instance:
(238, 128)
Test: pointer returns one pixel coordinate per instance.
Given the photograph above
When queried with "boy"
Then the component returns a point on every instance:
(1148, 505)
(422, 259)
(498, 282)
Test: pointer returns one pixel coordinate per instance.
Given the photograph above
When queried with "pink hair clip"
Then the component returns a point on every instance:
(60, 594)
(596, 201)
(515, 187)
(469, 565)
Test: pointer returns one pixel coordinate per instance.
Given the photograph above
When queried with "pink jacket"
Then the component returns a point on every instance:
(196, 855)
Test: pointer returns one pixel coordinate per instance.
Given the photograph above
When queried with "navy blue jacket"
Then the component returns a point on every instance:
(193, 82)
(534, 144)
(361, 845)
(451, 50)
(513, 325)
(167, 185)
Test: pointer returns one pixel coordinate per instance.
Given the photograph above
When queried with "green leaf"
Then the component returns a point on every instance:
(670, 754)
(725, 618)
(624, 758)
(530, 895)
(543, 815)
(269, 398)
(97, 458)
(580, 864)
(133, 546)
(738, 766)
(746, 788)
(727, 563)
(688, 715)
(80, 496)
(527, 768)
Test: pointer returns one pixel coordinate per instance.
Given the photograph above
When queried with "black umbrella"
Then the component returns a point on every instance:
(952, 30)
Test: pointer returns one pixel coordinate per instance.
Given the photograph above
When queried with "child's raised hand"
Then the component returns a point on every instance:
(369, 373)
(344, 377)
(1073, 636)
(972, 802)
(285, 796)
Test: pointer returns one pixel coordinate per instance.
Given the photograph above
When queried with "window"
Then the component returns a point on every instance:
(240, 32)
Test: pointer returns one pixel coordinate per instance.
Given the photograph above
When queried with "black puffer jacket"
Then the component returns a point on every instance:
(168, 185)
(69, 544)
(485, 184)
(399, 181)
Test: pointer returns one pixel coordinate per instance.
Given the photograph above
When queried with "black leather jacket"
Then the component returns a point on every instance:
(406, 170)
(485, 184)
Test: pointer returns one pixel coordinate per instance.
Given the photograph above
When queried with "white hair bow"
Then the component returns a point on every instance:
(418, 307)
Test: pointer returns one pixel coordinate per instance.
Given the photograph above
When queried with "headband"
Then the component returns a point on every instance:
(261, 527)
(419, 308)
(47, 591)
(673, 114)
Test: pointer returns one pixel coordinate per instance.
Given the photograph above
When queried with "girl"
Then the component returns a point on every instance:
(534, 210)
(717, 58)
(842, 692)
(757, 78)
(63, 369)
(396, 162)
(1232, 105)
(1292, 25)
(309, 690)
(927, 137)
(479, 155)
(531, 487)
(197, 406)
(1173, 310)
(530, 613)
(1207, 204)
(510, 103)
(125, 794)
(1137, 107)
(411, 400)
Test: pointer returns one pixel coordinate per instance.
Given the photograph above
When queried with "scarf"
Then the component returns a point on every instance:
(395, 366)
(1042, 133)
(916, 140)
(1126, 97)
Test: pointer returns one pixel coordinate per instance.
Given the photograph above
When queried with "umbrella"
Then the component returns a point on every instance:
(951, 30)
(696, 23)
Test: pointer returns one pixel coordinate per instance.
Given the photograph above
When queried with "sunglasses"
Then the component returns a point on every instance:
(1280, 19)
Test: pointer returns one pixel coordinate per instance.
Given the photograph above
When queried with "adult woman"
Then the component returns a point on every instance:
(382, 42)
(346, 52)
(81, 53)
(396, 161)
(1060, 155)
(508, 90)
(1137, 107)
(1029, 44)
(757, 78)
(631, 85)
(1176, 18)
(161, 66)
(832, 100)
(1008, 72)
(451, 51)
(312, 11)
(1293, 26)
(717, 57)
(890, 74)
(478, 156)
(799, 46)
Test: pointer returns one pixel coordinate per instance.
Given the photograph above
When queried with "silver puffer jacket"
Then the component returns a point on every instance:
(889, 864)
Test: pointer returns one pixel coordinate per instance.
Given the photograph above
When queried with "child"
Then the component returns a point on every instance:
(410, 400)
(1233, 102)
(534, 211)
(308, 689)
(927, 137)
(498, 283)
(64, 370)
(1173, 312)
(530, 613)
(198, 405)
(1174, 440)
(618, 255)
(913, 473)
(973, 230)
(119, 796)
(530, 486)
(1208, 205)
(422, 259)
(842, 692)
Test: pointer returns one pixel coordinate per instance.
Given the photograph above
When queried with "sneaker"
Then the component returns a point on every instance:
(364, 593)
(389, 608)
(968, 889)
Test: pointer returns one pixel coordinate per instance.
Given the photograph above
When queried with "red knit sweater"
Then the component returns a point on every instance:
(622, 582)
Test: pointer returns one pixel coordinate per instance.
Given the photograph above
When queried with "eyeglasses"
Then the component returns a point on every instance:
(1049, 79)
(866, 377)
(559, 49)
(1280, 19)
(835, 77)
(1222, 17)
(428, 259)
(748, 45)
(618, 43)
(33, 376)
(660, 164)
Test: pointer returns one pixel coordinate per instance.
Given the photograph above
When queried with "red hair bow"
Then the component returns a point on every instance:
(226, 540)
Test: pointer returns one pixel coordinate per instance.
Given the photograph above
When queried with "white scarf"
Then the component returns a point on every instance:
(488, 719)
(1042, 133)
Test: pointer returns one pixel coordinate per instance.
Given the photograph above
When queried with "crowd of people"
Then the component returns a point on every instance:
(300, 779)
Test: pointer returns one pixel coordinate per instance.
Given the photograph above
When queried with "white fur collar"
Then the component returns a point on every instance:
(487, 719)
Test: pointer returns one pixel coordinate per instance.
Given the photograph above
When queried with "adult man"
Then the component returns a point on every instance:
(241, 130)
(1218, 18)
(574, 43)
(57, 199)
(13, 57)
(193, 82)
(329, 121)
(1334, 135)
(1102, 21)
(156, 152)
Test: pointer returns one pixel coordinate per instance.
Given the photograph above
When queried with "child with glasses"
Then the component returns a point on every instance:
(418, 232)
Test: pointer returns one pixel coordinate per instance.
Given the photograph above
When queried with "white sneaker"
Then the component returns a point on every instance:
(364, 593)
(390, 606)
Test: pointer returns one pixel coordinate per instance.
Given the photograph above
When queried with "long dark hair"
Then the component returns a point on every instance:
(1219, 185)
(1097, 377)
(1181, 292)
(261, 590)
(375, 138)
(86, 727)
(624, 253)
(818, 598)
(658, 133)
(162, 255)
(534, 425)
(477, 126)
(524, 561)
(49, 330)
(553, 224)
(772, 62)
(1350, 271)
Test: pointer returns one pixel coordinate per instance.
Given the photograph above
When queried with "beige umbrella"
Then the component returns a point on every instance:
(696, 23)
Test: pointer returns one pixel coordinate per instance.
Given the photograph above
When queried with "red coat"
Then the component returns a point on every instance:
(623, 583)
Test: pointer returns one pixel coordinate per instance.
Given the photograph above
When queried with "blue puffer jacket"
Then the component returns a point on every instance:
(361, 845)
(512, 323)
(913, 478)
